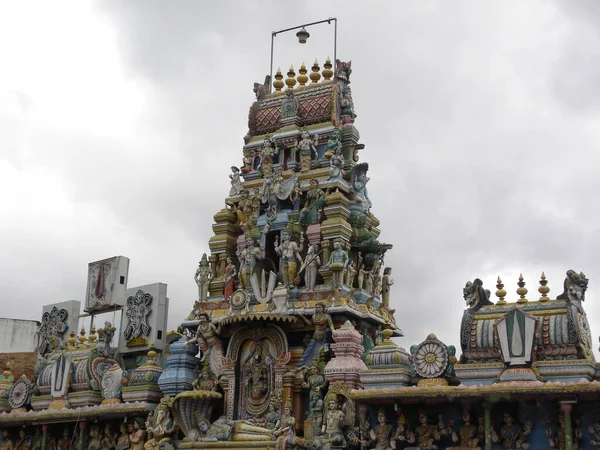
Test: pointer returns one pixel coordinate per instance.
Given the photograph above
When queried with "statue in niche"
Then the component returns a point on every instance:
(224, 429)
(338, 262)
(308, 150)
(256, 201)
(24, 441)
(6, 443)
(401, 434)
(333, 144)
(289, 251)
(468, 433)
(248, 258)
(123, 439)
(331, 434)
(267, 152)
(109, 439)
(137, 437)
(362, 272)
(313, 203)
(231, 274)
(359, 182)
(64, 443)
(290, 106)
(236, 182)
(296, 196)
(311, 265)
(209, 342)
(557, 439)
(285, 433)
(202, 277)
(424, 435)
(511, 435)
(262, 90)
(256, 376)
(337, 165)
(382, 433)
(244, 208)
(321, 336)
(315, 382)
(386, 283)
(95, 436)
(350, 274)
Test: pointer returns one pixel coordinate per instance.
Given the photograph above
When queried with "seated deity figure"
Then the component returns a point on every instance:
(557, 439)
(224, 429)
(285, 433)
(272, 418)
(424, 435)
(381, 435)
(332, 434)
(512, 435)
(468, 434)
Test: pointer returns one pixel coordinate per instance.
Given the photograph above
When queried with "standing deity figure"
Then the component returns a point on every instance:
(257, 377)
(359, 182)
(236, 182)
(203, 276)
(333, 144)
(376, 277)
(315, 382)
(24, 441)
(468, 433)
(138, 437)
(332, 434)
(557, 440)
(248, 160)
(337, 164)
(386, 283)
(230, 277)
(382, 433)
(314, 200)
(311, 265)
(350, 274)
(244, 208)
(6, 443)
(256, 201)
(511, 434)
(289, 252)
(273, 418)
(248, 258)
(36, 443)
(209, 342)
(64, 443)
(307, 147)
(109, 439)
(338, 262)
(95, 436)
(296, 196)
(424, 435)
(123, 439)
(347, 103)
(321, 336)
(267, 152)
(285, 432)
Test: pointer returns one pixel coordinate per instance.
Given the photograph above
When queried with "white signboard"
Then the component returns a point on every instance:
(107, 282)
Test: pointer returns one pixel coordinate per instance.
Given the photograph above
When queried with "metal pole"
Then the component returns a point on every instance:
(271, 72)
(334, 47)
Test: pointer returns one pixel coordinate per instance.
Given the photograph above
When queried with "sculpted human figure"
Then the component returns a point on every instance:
(244, 208)
(321, 336)
(311, 265)
(376, 277)
(511, 434)
(289, 251)
(248, 258)
(268, 150)
(230, 277)
(6, 443)
(285, 433)
(350, 274)
(257, 377)
(205, 382)
(360, 190)
(315, 382)
(337, 164)
(109, 439)
(273, 418)
(247, 160)
(224, 429)
(333, 144)
(313, 202)
(338, 262)
(24, 441)
(209, 342)
(123, 439)
(347, 103)
(307, 147)
(64, 443)
(468, 433)
(381, 435)
(138, 437)
(332, 430)
(386, 283)
(162, 427)
(94, 440)
(202, 277)
(256, 201)
(296, 195)
(424, 434)
(557, 440)
(236, 183)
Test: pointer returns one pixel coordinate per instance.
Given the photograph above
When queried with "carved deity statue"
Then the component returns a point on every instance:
(267, 152)
(209, 342)
(272, 417)
(313, 203)
(338, 262)
(347, 103)
(64, 443)
(205, 382)
(162, 427)
(337, 165)
(331, 434)
(321, 336)
(359, 182)
(315, 382)
(386, 283)
(350, 274)
(468, 433)
(95, 438)
(256, 201)
(109, 439)
(224, 429)
(248, 160)
(380, 436)
(424, 435)
(296, 196)
(376, 277)
(248, 258)
(244, 208)
(230, 277)
(311, 265)
(289, 252)
(512, 435)
(285, 433)
(307, 149)
(236, 182)
(24, 441)
(202, 277)
(256, 370)
(557, 439)
(289, 107)
(137, 438)
(123, 439)
(333, 144)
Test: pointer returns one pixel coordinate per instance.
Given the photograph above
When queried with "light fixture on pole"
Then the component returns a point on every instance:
(303, 35)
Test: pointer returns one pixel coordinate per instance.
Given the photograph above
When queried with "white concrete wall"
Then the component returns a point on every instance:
(18, 335)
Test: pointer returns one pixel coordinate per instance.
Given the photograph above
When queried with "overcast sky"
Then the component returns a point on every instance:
(119, 122)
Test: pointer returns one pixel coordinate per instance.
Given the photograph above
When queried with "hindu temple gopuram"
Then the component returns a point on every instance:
(291, 341)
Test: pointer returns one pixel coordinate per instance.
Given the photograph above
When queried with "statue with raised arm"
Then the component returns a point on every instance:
(289, 252)
(209, 342)
(203, 276)
(267, 152)
(307, 149)
(321, 335)
(338, 262)
(248, 258)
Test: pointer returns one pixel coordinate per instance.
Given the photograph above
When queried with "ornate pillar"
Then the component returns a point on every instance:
(288, 388)
(566, 408)
(487, 422)
(82, 444)
(346, 364)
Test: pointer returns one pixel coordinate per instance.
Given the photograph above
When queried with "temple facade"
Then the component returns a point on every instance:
(290, 342)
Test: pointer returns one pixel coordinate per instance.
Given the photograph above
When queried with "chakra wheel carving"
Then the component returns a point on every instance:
(19, 393)
(430, 357)
(239, 300)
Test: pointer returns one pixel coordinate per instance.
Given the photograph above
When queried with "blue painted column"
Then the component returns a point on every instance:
(180, 370)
